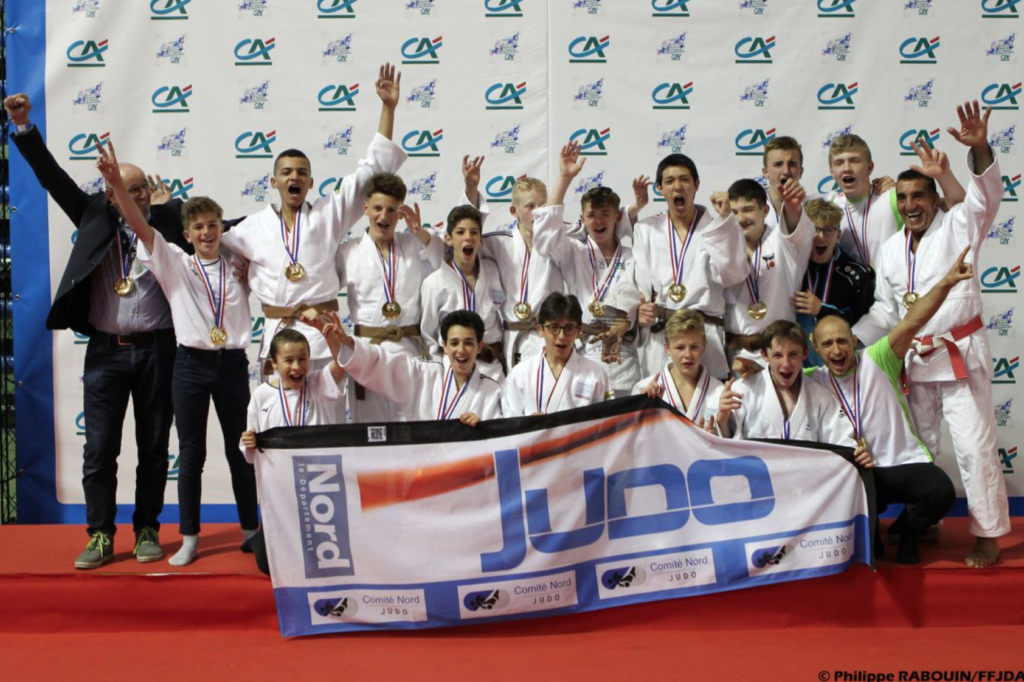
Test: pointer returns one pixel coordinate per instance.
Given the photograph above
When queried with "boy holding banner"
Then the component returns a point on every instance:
(296, 395)
(210, 309)
(559, 378)
(778, 403)
(428, 390)
(685, 383)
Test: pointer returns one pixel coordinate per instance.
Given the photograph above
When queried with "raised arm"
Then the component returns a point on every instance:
(918, 315)
(111, 172)
(935, 165)
(793, 196)
(570, 163)
(334, 333)
(471, 179)
(388, 86)
(68, 195)
(973, 133)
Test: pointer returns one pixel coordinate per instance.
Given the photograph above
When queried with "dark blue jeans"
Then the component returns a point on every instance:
(223, 377)
(139, 366)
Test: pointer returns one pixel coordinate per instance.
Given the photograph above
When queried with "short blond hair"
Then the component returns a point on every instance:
(823, 213)
(848, 143)
(685, 321)
(525, 186)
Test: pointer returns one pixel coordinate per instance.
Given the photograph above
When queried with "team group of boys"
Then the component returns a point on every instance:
(558, 313)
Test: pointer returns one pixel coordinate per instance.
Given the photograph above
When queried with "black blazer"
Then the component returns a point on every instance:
(97, 221)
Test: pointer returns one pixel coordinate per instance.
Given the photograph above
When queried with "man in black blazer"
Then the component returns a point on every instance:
(106, 294)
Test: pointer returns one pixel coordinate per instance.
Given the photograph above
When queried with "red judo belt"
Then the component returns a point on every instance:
(928, 345)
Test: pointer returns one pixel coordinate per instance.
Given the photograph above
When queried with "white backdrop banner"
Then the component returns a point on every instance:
(207, 93)
(423, 525)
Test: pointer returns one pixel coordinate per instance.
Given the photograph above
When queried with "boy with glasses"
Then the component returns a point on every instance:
(835, 284)
(559, 378)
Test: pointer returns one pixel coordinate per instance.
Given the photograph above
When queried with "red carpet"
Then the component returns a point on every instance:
(216, 620)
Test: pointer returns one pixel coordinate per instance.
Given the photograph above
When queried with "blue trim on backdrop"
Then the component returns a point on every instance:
(30, 283)
(30, 279)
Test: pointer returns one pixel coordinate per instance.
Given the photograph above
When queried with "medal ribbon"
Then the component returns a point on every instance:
(785, 428)
(861, 242)
(125, 261)
(911, 260)
(666, 377)
(524, 280)
(813, 287)
(703, 394)
(678, 257)
(854, 413)
(300, 413)
(445, 410)
(601, 290)
(541, 405)
(752, 280)
(468, 293)
(293, 248)
(388, 267)
(216, 302)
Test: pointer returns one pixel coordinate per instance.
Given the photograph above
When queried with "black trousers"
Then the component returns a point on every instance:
(924, 486)
(116, 368)
(220, 376)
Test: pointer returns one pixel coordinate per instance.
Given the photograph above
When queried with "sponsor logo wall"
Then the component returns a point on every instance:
(205, 94)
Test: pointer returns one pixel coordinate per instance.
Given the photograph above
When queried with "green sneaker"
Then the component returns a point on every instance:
(147, 546)
(99, 551)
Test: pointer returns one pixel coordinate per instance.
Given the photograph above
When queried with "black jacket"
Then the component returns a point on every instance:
(97, 221)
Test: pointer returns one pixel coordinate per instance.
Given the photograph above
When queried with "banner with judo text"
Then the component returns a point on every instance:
(426, 525)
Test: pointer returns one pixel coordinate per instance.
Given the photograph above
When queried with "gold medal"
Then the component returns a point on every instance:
(124, 286)
(677, 292)
(757, 310)
(218, 336)
(391, 310)
(863, 443)
(595, 308)
(522, 310)
(909, 299)
(295, 272)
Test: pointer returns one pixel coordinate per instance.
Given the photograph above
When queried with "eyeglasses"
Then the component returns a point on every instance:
(826, 231)
(555, 330)
(139, 189)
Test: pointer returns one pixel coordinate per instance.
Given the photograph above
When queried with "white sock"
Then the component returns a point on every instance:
(188, 551)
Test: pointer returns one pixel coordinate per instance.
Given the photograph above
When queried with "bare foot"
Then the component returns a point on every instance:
(984, 554)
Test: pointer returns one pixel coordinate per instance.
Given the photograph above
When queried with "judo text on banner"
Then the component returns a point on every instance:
(418, 525)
